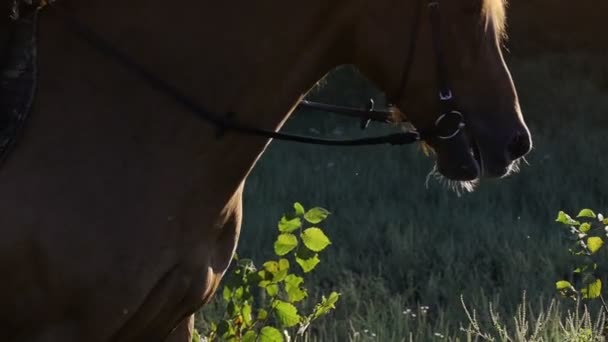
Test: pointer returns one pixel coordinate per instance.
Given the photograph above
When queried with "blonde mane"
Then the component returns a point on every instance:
(496, 14)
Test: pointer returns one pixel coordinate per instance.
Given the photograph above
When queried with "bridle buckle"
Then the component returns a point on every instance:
(445, 96)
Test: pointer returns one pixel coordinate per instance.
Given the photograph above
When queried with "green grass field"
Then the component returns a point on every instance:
(399, 245)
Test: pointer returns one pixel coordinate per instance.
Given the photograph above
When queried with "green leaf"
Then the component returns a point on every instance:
(287, 313)
(315, 239)
(246, 312)
(296, 294)
(585, 227)
(564, 218)
(288, 226)
(593, 290)
(262, 315)
(299, 209)
(249, 336)
(280, 276)
(563, 285)
(283, 270)
(292, 286)
(586, 213)
(271, 267)
(283, 264)
(272, 290)
(594, 243)
(316, 215)
(579, 269)
(333, 299)
(270, 334)
(605, 221)
(238, 293)
(326, 305)
(196, 337)
(226, 293)
(308, 264)
(285, 243)
(264, 275)
(231, 309)
(293, 280)
(307, 259)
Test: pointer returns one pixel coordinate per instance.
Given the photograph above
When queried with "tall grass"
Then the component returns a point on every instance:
(399, 245)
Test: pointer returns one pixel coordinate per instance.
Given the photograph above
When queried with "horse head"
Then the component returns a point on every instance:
(450, 77)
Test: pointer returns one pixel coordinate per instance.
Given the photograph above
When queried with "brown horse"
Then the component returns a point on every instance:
(120, 210)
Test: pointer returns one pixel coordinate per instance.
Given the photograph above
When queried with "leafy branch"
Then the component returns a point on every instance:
(265, 305)
(587, 233)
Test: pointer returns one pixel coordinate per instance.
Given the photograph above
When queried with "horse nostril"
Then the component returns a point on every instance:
(519, 146)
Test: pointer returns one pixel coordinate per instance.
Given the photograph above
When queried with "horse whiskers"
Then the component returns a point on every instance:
(514, 167)
(458, 187)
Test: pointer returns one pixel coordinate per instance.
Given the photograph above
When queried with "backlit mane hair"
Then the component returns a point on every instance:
(495, 14)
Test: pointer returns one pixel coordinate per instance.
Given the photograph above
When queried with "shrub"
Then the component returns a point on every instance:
(266, 304)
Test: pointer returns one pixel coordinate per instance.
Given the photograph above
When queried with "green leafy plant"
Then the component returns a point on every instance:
(266, 304)
(588, 232)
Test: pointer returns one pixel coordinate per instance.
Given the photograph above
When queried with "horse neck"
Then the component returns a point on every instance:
(256, 61)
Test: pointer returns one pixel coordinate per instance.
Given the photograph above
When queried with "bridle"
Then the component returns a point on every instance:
(450, 121)
(448, 124)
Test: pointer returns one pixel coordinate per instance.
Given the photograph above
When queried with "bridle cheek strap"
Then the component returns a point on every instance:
(450, 121)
